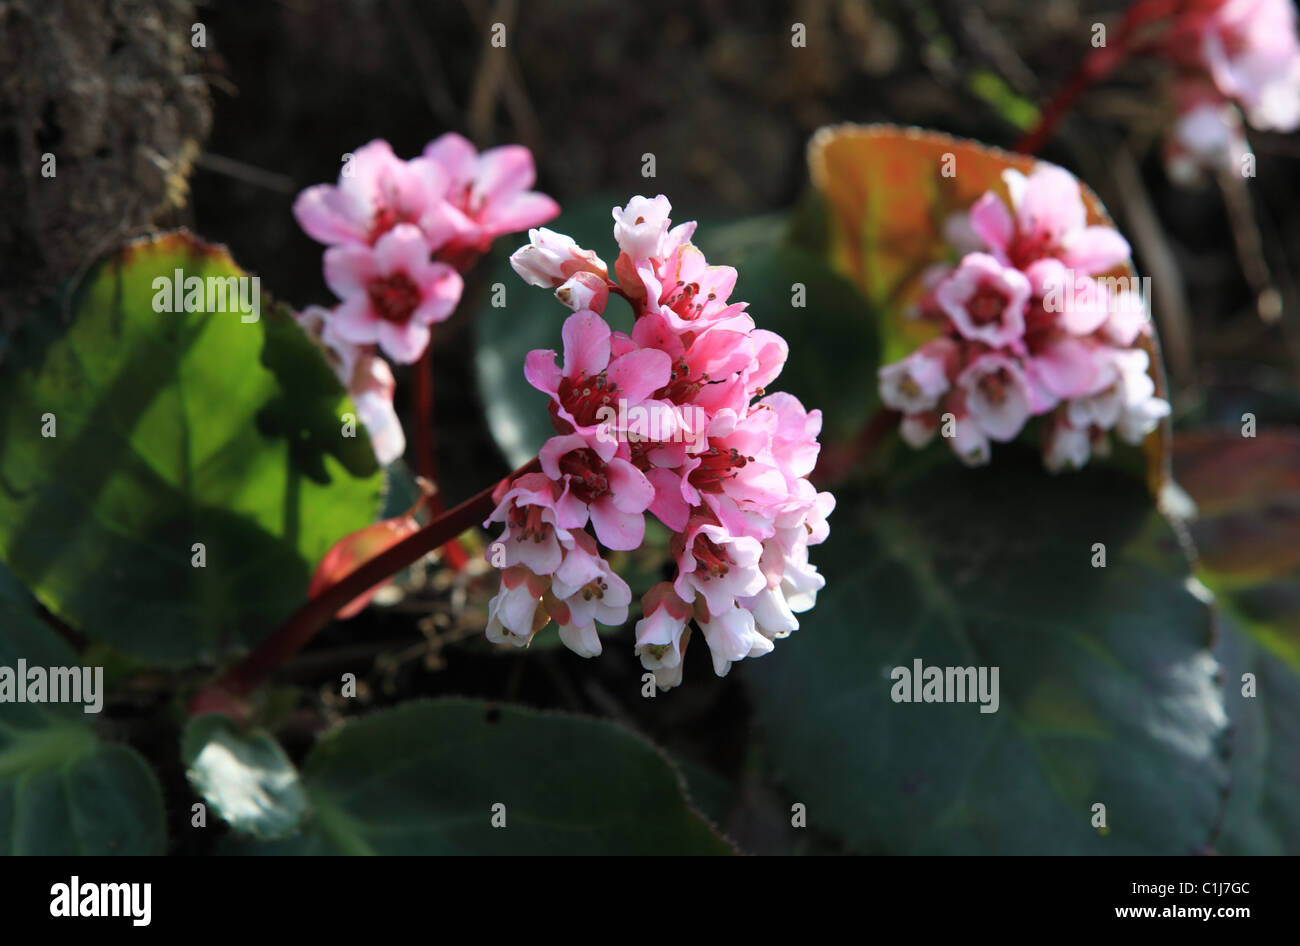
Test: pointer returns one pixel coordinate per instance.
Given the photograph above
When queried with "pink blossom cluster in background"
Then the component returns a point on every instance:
(673, 420)
(1234, 56)
(399, 234)
(1027, 329)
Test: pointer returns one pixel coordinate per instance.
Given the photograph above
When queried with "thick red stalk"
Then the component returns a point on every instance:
(227, 693)
(1101, 61)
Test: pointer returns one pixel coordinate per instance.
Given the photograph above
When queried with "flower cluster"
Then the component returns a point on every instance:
(399, 234)
(672, 420)
(1233, 54)
(1029, 326)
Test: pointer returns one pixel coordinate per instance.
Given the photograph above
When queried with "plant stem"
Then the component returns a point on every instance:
(1101, 61)
(227, 693)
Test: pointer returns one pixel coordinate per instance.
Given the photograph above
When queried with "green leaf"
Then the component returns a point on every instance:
(1107, 692)
(425, 779)
(1247, 533)
(173, 429)
(244, 776)
(62, 790)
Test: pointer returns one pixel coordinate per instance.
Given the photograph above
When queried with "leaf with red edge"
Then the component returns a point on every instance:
(352, 551)
(1247, 533)
(889, 191)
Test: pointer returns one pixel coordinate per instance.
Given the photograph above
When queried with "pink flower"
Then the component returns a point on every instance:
(915, 384)
(391, 292)
(1066, 446)
(641, 228)
(517, 611)
(367, 379)
(1048, 219)
(587, 591)
(591, 379)
(731, 636)
(970, 442)
(373, 386)
(985, 300)
(662, 634)
(1251, 51)
(1207, 136)
(375, 192)
(550, 259)
(613, 492)
(673, 419)
(533, 536)
(584, 291)
(997, 395)
(489, 193)
(717, 565)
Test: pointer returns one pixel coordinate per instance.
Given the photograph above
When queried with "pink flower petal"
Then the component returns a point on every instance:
(586, 344)
(621, 531)
(640, 373)
(403, 343)
(403, 249)
(992, 222)
(455, 154)
(629, 489)
(1095, 250)
(353, 321)
(328, 216)
(348, 269)
(541, 371)
(503, 172)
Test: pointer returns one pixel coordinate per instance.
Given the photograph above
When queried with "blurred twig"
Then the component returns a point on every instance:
(240, 171)
(1169, 305)
(498, 78)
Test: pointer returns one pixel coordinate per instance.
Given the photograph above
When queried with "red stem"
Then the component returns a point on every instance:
(1099, 63)
(227, 693)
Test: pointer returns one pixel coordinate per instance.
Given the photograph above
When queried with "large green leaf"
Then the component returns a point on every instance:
(426, 778)
(1107, 690)
(173, 429)
(62, 790)
(1247, 534)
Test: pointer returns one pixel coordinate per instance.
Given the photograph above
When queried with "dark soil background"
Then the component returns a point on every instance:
(715, 90)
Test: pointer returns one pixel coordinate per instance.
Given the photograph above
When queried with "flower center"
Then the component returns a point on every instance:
(987, 305)
(680, 389)
(994, 385)
(386, 217)
(684, 300)
(716, 465)
(595, 588)
(587, 478)
(393, 297)
(584, 397)
(709, 557)
(527, 523)
(1030, 247)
